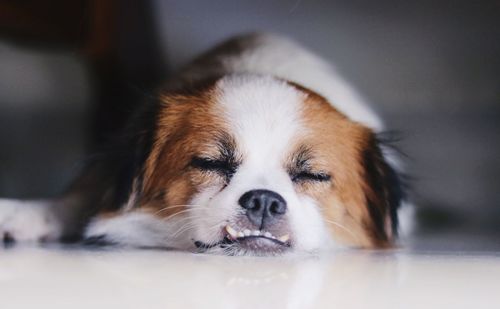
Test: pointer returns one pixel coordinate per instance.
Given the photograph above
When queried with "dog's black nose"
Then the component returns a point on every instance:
(263, 207)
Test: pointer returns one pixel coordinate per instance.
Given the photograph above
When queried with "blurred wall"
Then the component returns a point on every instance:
(431, 68)
(44, 105)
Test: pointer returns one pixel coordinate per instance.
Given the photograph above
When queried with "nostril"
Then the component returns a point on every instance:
(256, 204)
(277, 207)
(247, 200)
(274, 208)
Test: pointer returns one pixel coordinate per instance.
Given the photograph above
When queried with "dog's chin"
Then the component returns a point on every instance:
(247, 242)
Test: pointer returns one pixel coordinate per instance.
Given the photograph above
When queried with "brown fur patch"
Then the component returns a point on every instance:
(188, 125)
(351, 202)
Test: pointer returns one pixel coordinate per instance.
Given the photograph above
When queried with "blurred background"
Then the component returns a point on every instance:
(70, 70)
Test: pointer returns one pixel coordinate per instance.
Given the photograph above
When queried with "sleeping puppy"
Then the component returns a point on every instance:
(256, 148)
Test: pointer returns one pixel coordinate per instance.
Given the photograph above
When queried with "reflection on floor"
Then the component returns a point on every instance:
(79, 278)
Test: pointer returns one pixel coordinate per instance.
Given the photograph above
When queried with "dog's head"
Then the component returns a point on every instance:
(258, 165)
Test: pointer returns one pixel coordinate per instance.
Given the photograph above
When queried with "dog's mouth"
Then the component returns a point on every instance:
(249, 236)
(252, 241)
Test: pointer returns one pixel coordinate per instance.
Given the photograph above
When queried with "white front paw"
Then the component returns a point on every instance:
(27, 221)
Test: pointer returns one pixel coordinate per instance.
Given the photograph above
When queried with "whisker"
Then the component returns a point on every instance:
(342, 227)
(176, 206)
(186, 227)
(196, 207)
(189, 225)
(176, 214)
(193, 216)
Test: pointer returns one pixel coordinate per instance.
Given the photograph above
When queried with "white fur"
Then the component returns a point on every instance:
(28, 221)
(139, 229)
(280, 57)
(274, 55)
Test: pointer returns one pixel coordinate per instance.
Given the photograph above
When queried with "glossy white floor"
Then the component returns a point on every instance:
(77, 278)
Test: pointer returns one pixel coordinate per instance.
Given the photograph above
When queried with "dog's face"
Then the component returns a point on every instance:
(256, 165)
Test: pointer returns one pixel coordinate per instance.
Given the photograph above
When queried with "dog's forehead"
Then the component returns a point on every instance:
(264, 114)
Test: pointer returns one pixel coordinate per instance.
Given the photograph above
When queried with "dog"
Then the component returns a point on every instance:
(258, 147)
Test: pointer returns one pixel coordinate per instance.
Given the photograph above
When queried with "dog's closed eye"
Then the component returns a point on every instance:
(301, 168)
(222, 167)
(304, 176)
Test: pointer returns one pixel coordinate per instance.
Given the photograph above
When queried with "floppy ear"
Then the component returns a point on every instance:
(383, 192)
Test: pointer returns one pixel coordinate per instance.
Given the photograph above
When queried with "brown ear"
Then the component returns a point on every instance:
(383, 193)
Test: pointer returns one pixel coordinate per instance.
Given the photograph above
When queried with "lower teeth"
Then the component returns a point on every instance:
(232, 233)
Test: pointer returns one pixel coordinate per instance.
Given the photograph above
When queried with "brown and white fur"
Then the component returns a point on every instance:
(257, 147)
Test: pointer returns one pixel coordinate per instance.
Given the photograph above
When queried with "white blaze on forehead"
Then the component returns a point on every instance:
(263, 114)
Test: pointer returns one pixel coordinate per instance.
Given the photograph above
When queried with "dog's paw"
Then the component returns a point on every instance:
(27, 221)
